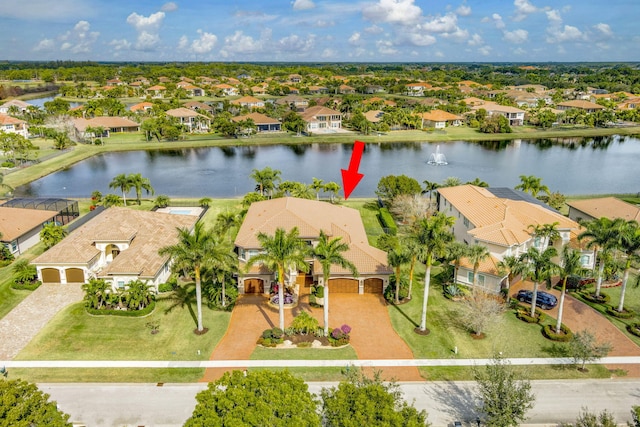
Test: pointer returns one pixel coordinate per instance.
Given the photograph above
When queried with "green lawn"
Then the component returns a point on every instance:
(9, 298)
(369, 212)
(108, 375)
(75, 335)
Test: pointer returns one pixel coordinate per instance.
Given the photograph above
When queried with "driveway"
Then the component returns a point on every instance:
(24, 322)
(579, 316)
(372, 336)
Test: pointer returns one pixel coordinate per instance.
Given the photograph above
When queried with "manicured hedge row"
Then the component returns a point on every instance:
(604, 298)
(634, 329)
(123, 313)
(387, 221)
(626, 313)
(524, 313)
(31, 286)
(549, 332)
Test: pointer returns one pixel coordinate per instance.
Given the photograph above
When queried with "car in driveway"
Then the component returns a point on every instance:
(544, 300)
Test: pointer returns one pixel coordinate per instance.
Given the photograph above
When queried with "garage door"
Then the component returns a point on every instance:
(373, 286)
(253, 286)
(50, 275)
(343, 286)
(75, 275)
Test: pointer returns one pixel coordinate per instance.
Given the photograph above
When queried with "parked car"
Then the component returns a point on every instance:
(544, 300)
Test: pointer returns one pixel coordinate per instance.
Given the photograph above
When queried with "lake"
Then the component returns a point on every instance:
(578, 166)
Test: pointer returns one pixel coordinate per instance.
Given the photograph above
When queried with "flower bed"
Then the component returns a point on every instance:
(290, 338)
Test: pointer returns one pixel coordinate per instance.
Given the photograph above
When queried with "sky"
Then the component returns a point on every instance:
(321, 31)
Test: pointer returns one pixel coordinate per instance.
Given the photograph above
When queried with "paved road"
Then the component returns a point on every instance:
(170, 405)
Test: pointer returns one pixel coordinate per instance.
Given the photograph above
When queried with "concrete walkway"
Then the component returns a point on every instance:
(24, 322)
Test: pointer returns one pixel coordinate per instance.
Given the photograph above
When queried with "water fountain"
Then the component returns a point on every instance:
(437, 158)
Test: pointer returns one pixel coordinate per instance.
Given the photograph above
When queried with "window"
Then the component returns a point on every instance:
(585, 260)
(466, 222)
(470, 276)
(14, 246)
(481, 279)
(121, 284)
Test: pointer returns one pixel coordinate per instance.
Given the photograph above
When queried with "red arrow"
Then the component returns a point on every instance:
(351, 177)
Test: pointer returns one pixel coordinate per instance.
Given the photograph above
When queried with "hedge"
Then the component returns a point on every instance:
(589, 296)
(549, 332)
(523, 313)
(634, 329)
(29, 286)
(387, 221)
(626, 313)
(123, 313)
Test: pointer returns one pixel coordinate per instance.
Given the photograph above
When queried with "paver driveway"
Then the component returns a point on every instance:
(22, 323)
(579, 316)
(372, 335)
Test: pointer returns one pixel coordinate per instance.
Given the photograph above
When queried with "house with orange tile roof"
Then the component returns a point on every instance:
(513, 114)
(295, 102)
(263, 122)
(439, 119)
(226, 89)
(502, 220)
(417, 89)
(579, 104)
(315, 90)
(346, 89)
(156, 91)
(322, 119)
(10, 124)
(194, 121)
(18, 103)
(199, 106)
(191, 89)
(310, 217)
(248, 102)
(109, 124)
(608, 207)
(141, 107)
(118, 245)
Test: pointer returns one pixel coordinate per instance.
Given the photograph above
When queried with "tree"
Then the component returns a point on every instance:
(317, 185)
(61, 140)
(532, 184)
(583, 348)
(505, 397)
(495, 124)
(162, 201)
(139, 183)
(282, 251)
(480, 310)
(23, 271)
(455, 252)
(266, 179)
(95, 293)
(629, 244)
(391, 186)
(409, 208)
(123, 183)
(429, 187)
(111, 200)
(361, 401)
(329, 252)
(478, 183)
(397, 256)
(261, 398)
(51, 234)
(511, 266)
(570, 265)
(538, 268)
(332, 188)
(451, 181)
(23, 404)
(602, 236)
(476, 254)
(433, 235)
(547, 232)
(138, 295)
(195, 250)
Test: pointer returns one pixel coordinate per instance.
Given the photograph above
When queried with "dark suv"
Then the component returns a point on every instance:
(544, 300)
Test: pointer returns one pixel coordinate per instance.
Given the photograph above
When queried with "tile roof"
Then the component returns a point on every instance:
(183, 112)
(609, 207)
(258, 118)
(489, 265)
(439, 116)
(141, 106)
(14, 222)
(311, 216)
(147, 232)
(18, 103)
(578, 103)
(312, 112)
(247, 100)
(107, 122)
(8, 120)
(499, 220)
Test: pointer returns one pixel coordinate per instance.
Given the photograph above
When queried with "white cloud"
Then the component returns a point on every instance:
(459, 35)
(475, 40)
(604, 29)
(519, 51)
(442, 24)
(355, 38)
(148, 28)
(496, 20)
(183, 43)
(374, 29)
(169, 7)
(44, 10)
(485, 50)
(322, 23)
(205, 43)
(296, 44)
(328, 53)
(80, 39)
(44, 44)
(517, 36)
(240, 43)
(439, 54)
(400, 12)
(303, 4)
(568, 33)
(421, 39)
(554, 17)
(523, 9)
(463, 10)
(385, 47)
(122, 44)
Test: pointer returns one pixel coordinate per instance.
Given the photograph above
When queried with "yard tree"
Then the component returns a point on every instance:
(547, 232)
(538, 268)
(51, 234)
(430, 187)
(330, 252)
(23, 404)
(261, 398)
(504, 397)
(455, 252)
(629, 244)
(433, 235)
(391, 186)
(332, 188)
(570, 265)
(139, 183)
(476, 254)
(397, 256)
(266, 179)
(409, 208)
(111, 200)
(511, 266)
(413, 250)
(601, 235)
(123, 183)
(361, 401)
(532, 184)
(451, 181)
(194, 250)
(281, 252)
(584, 348)
(480, 310)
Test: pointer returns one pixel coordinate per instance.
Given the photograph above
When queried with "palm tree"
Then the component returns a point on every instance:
(227, 222)
(138, 295)
(433, 235)
(479, 183)
(547, 232)
(602, 235)
(532, 184)
(629, 243)
(397, 257)
(122, 183)
(266, 179)
(111, 200)
(281, 251)
(429, 187)
(139, 183)
(570, 266)
(539, 268)
(451, 181)
(329, 252)
(455, 252)
(332, 188)
(511, 266)
(414, 250)
(317, 185)
(194, 249)
(476, 254)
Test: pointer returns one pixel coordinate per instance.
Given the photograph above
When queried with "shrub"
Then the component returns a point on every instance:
(549, 332)
(28, 286)
(452, 291)
(626, 312)
(390, 291)
(304, 323)
(634, 329)
(167, 287)
(304, 344)
(123, 313)
(603, 299)
(387, 222)
(346, 329)
(319, 292)
(338, 338)
(523, 313)
(7, 164)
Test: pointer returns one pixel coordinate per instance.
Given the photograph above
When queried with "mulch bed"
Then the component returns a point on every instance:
(299, 338)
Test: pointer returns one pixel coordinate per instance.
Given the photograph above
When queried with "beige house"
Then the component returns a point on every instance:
(608, 207)
(322, 119)
(310, 217)
(19, 104)
(195, 122)
(249, 102)
(10, 124)
(503, 224)
(109, 124)
(119, 245)
(579, 104)
(20, 228)
(439, 119)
